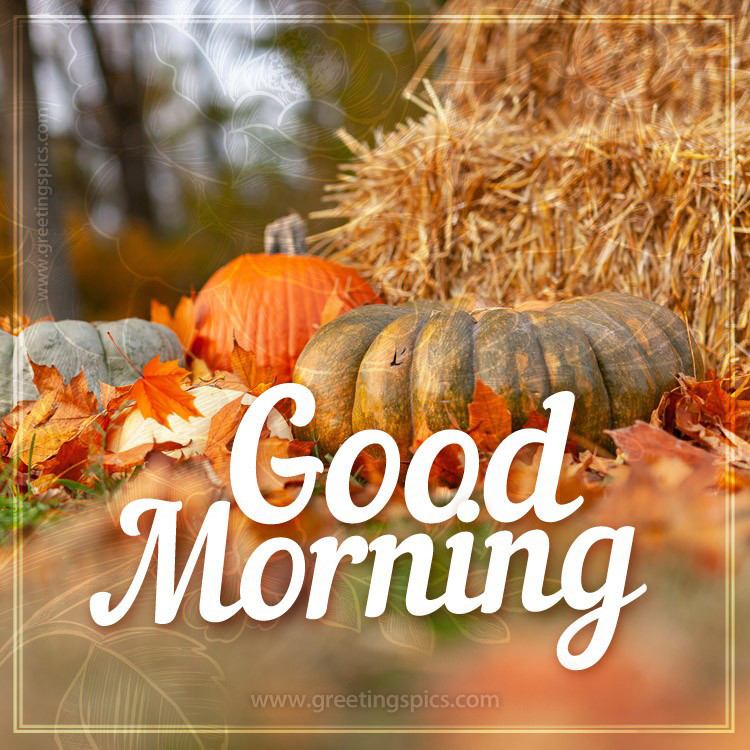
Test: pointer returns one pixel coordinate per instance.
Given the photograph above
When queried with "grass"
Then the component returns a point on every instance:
(25, 508)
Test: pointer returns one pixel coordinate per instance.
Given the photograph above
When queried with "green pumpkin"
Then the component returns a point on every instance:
(412, 370)
(72, 345)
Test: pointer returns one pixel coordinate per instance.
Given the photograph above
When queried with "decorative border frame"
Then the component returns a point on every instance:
(729, 725)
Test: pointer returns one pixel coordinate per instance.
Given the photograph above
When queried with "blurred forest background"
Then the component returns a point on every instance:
(172, 142)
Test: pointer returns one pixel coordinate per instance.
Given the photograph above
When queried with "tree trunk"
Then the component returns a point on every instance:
(46, 285)
(126, 136)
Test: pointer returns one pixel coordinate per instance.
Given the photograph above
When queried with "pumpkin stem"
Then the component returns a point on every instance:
(286, 236)
(124, 356)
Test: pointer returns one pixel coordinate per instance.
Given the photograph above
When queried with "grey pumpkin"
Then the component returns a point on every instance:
(70, 345)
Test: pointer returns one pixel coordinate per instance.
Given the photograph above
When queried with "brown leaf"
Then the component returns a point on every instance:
(645, 441)
(113, 397)
(11, 421)
(159, 393)
(703, 411)
(59, 414)
(536, 421)
(221, 432)
(70, 462)
(271, 447)
(256, 379)
(574, 479)
(136, 455)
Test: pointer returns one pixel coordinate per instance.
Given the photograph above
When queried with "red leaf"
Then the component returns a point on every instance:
(489, 418)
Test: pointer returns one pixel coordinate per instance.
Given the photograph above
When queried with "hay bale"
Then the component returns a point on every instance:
(504, 208)
(550, 58)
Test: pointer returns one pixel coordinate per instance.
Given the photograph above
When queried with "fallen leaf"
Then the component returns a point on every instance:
(183, 321)
(58, 415)
(333, 307)
(113, 397)
(72, 461)
(244, 365)
(706, 411)
(14, 324)
(673, 506)
(159, 393)
(200, 372)
(271, 447)
(574, 479)
(645, 441)
(489, 418)
(536, 421)
(135, 456)
(221, 432)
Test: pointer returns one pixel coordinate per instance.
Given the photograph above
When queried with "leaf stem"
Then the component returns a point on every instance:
(125, 356)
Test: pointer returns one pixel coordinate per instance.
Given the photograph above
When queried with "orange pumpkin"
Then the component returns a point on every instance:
(272, 305)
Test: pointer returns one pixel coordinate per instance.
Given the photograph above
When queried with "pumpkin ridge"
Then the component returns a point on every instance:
(645, 359)
(382, 392)
(675, 329)
(664, 376)
(104, 349)
(605, 380)
(540, 351)
(600, 364)
(412, 365)
(608, 386)
(619, 343)
(508, 359)
(572, 366)
(441, 388)
(291, 328)
(329, 366)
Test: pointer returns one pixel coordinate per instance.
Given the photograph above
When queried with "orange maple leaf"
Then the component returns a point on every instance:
(182, 322)
(159, 393)
(489, 418)
(646, 441)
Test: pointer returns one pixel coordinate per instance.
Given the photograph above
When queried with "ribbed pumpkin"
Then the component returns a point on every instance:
(412, 370)
(272, 304)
